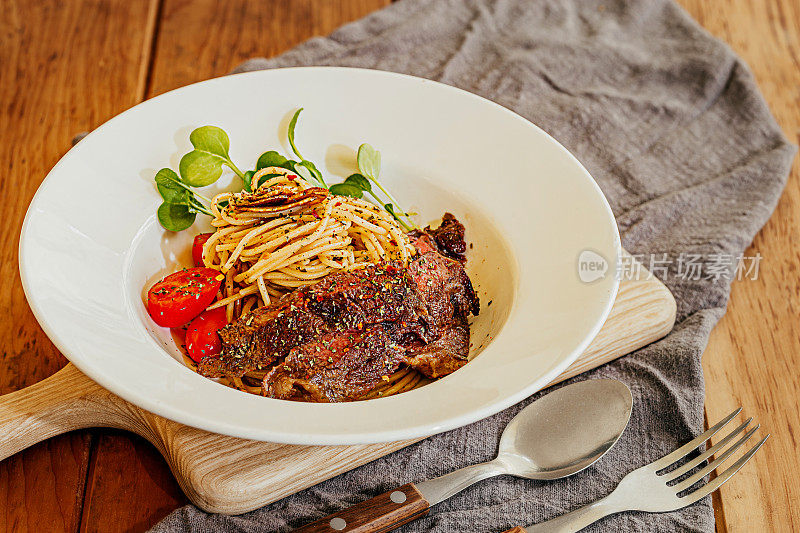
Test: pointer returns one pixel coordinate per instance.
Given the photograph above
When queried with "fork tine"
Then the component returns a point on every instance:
(678, 472)
(700, 474)
(694, 443)
(715, 483)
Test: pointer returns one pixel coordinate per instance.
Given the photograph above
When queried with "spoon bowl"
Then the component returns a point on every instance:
(567, 430)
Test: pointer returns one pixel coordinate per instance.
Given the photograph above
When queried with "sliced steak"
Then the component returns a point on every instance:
(449, 237)
(445, 288)
(339, 366)
(449, 296)
(383, 293)
(263, 336)
(443, 356)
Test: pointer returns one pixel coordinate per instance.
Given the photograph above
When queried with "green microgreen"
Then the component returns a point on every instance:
(369, 164)
(203, 166)
(181, 205)
(312, 169)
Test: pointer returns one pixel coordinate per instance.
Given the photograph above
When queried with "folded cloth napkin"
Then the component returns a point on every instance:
(671, 125)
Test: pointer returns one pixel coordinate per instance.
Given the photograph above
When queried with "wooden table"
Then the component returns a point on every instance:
(67, 67)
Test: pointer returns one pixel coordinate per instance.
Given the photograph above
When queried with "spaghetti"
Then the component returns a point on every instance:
(288, 234)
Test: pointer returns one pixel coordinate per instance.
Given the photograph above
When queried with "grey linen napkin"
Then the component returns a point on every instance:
(670, 123)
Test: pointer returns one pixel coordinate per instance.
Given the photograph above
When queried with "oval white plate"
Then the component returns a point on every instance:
(90, 243)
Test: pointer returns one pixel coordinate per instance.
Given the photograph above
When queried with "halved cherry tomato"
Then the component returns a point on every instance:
(197, 248)
(181, 296)
(202, 338)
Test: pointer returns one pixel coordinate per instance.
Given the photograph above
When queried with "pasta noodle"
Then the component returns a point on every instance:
(267, 248)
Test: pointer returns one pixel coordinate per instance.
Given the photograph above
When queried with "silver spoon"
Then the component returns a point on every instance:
(556, 436)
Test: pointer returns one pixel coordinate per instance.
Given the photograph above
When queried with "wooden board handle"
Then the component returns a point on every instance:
(65, 401)
(382, 513)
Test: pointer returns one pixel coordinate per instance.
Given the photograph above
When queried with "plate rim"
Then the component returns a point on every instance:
(417, 431)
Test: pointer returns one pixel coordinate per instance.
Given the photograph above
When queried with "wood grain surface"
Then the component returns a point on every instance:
(236, 30)
(64, 67)
(753, 357)
(69, 66)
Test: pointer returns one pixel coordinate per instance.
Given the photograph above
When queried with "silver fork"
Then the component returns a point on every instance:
(655, 489)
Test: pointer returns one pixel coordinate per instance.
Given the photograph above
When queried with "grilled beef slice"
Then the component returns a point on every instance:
(443, 356)
(449, 296)
(382, 293)
(449, 237)
(339, 366)
(337, 339)
(445, 288)
(263, 336)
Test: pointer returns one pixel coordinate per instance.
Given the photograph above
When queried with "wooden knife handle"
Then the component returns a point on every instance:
(515, 530)
(382, 513)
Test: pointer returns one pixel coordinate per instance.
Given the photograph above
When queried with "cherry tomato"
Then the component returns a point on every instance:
(181, 296)
(202, 338)
(197, 248)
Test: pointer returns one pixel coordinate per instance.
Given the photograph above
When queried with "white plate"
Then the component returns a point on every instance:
(90, 243)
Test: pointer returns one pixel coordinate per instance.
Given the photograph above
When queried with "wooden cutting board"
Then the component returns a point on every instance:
(224, 474)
